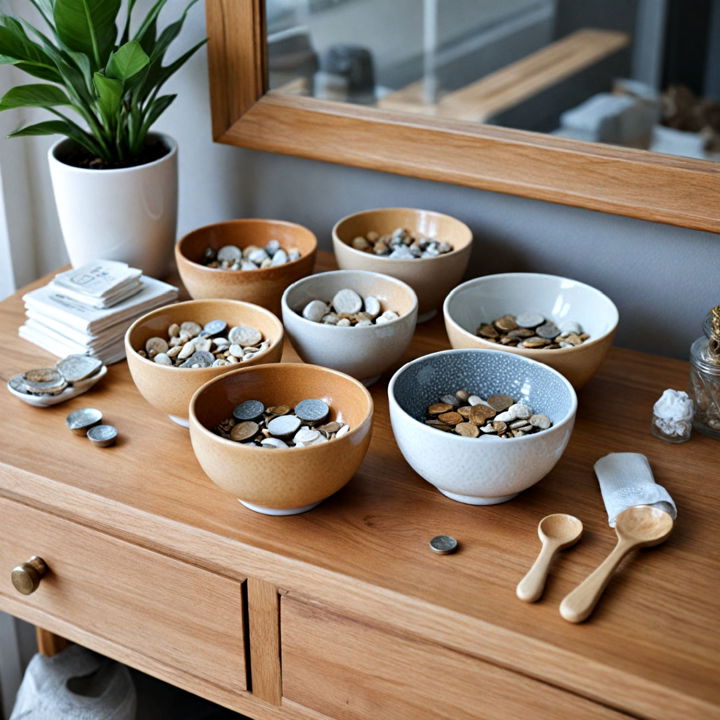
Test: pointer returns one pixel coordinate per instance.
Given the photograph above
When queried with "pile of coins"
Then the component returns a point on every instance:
(86, 421)
(472, 416)
(52, 381)
(231, 257)
(190, 345)
(532, 330)
(348, 309)
(401, 244)
(281, 426)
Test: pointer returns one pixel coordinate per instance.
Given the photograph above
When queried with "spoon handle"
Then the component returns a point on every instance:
(579, 604)
(531, 587)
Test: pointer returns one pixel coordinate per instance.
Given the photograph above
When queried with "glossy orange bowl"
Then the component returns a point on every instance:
(281, 481)
(169, 389)
(263, 287)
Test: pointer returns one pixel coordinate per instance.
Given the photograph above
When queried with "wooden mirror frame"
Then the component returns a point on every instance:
(635, 183)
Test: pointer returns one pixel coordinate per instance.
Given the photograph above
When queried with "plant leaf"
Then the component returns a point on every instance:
(127, 60)
(128, 17)
(149, 23)
(110, 92)
(59, 127)
(157, 108)
(35, 95)
(87, 26)
(17, 49)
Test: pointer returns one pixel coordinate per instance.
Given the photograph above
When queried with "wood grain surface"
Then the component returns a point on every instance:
(651, 649)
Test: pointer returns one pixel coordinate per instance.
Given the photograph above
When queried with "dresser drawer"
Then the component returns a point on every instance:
(186, 617)
(351, 671)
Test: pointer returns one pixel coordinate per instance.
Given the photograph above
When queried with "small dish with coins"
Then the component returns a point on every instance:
(481, 425)
(295, 404)
(361, 242)
(563, 323)
(268, 256)
(44, 387)
(354, 321)
(173, 350)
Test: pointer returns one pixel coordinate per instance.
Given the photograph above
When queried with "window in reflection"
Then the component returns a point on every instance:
(637, 73)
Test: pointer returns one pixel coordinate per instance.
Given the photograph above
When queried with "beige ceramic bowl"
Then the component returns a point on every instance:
(560, 299)
(262, 287)
(430, 278)
(281, 481)
(363, 352)
(170, 388)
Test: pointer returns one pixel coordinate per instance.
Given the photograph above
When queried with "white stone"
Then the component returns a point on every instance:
(387, 317)
(315, 310)
(187, 350)
(347, 301)
(372, 306)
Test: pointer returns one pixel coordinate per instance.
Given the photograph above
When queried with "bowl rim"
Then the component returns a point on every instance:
(180, 256)
(535, 437)
(158, 310)
(556, 352)
(376, 275)
(455, 251)
(195, 422)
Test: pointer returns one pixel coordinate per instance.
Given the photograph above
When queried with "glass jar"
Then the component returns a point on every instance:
(705, 388)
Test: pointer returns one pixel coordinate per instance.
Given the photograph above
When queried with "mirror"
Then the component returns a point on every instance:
(285, 79)
(634, 73)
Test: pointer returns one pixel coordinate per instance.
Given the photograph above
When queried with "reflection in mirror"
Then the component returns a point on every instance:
(636, 73)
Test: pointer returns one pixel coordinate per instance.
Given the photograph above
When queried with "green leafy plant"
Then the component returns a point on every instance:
(109, 77)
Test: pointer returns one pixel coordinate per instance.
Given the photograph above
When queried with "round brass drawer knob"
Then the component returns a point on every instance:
(26, 577)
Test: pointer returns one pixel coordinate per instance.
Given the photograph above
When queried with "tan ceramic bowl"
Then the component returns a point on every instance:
(561, 299)
(262, 287)
(281, 481)
(170, 388)
(430, 278)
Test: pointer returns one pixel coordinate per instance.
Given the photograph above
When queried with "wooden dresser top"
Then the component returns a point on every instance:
(652, 647)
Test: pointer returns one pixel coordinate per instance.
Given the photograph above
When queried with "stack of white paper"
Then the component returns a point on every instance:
(100, 284)
(63, 324)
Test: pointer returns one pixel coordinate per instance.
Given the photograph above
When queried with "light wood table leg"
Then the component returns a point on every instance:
(48, 643)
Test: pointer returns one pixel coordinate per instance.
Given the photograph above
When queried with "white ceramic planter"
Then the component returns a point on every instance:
(129, 214)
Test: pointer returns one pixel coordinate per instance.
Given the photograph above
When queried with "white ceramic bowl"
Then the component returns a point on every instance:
(362, 352)
(483, 470)
(559, 299)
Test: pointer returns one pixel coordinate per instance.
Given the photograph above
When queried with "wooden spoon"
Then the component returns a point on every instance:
(556, 532)
(638, 526)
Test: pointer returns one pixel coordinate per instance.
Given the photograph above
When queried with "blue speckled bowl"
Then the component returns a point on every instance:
(484, 470)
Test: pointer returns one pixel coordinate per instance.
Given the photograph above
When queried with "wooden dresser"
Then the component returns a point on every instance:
(344, 612)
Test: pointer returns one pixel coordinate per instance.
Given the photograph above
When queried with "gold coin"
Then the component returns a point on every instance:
(467, 429)
(450, 418)
(506, 323)
(487, 331)
(244, 431)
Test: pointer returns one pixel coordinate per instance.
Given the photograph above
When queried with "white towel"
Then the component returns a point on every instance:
(626, 480)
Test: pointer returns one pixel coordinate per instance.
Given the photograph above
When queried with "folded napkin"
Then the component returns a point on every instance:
(626, 480)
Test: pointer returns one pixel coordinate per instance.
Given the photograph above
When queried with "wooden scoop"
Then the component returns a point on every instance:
(638, 526)
(556, 532)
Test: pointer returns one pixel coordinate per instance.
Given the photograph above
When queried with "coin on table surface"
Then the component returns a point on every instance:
(500, 401)
(44, 381)
(214, 327)
(284, 425)
(78, 367)
(244, 431)
(244, 336)
(529, 319)
(248, 410)
(17, 383)
(443, 544)
(79, 421)
(102, 435)
(347, 301)
(312, 410)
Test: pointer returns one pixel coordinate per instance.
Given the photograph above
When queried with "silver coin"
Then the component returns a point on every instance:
(443, 544)
(214, 327)
(529, 320)
(312, 410)
(248, 410)
(229, 252)
(102, 435)
(284, 425)
(548, 330)
(44, 381)
(200, 358)
(17, 383)
(78, 367)
(79, 421)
